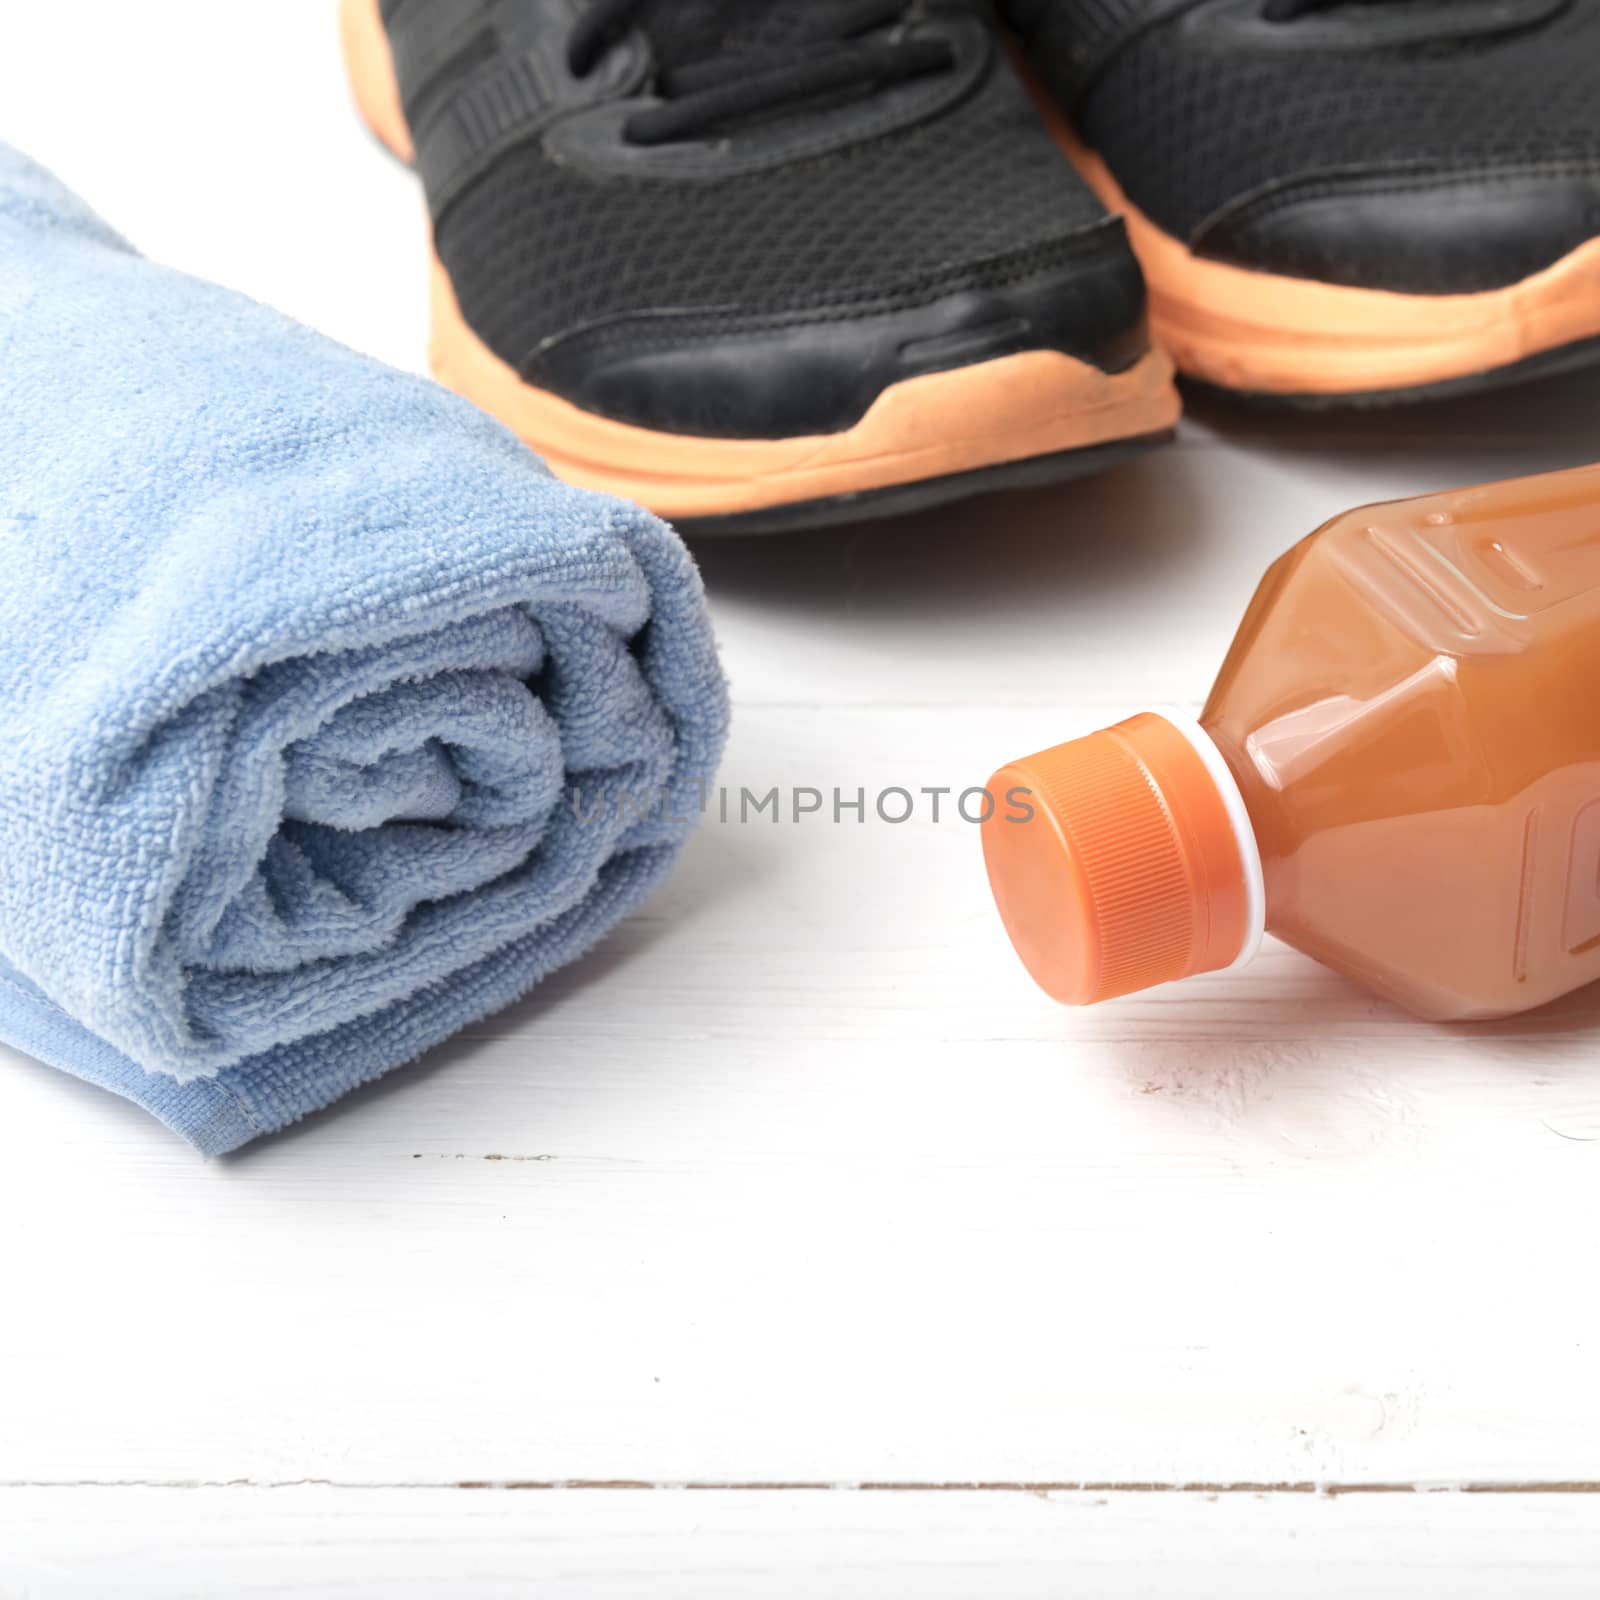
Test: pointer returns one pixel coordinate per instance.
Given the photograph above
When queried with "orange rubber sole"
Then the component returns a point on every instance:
(950, 425)
(1267, 335)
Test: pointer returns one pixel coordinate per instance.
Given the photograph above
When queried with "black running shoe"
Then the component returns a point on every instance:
(761, 263)
(1345, 201)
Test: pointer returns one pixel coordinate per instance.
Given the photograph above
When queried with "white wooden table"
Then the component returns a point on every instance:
(792, 1244)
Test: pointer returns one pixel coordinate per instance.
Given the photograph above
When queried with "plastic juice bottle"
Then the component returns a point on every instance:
(1398, 772)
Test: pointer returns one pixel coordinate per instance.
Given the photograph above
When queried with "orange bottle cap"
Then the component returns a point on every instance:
(1128, 862)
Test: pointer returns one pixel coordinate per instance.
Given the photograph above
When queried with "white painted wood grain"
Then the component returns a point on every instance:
(641, 1545)
(814, 1186)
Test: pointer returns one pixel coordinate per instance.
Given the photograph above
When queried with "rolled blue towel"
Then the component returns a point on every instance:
(333, 722)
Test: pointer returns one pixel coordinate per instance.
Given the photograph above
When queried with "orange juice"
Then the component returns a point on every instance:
(1398, 772)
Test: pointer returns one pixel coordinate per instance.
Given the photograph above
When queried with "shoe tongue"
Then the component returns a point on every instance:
(681, 31)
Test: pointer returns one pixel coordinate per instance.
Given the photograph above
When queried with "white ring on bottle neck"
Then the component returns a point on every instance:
(1244, 835)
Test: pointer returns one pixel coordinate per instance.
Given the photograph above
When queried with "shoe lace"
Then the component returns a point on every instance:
(844, 48)
(1288, 10)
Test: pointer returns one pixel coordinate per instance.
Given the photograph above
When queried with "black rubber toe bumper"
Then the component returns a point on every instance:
(818, 369)
(1413, 231)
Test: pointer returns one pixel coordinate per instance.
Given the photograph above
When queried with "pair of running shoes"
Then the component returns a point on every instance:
(773, 263)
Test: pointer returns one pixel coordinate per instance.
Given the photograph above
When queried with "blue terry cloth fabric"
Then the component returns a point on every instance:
(332, 721)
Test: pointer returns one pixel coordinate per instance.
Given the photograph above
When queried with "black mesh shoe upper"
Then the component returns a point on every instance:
(845, 232)
(1424, 146)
